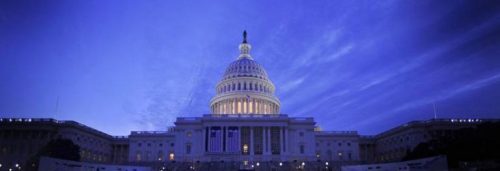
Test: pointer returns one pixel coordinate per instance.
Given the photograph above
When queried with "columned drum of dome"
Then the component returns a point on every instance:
(245, 87)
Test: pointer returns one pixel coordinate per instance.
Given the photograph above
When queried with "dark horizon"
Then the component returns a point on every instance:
(362, 66)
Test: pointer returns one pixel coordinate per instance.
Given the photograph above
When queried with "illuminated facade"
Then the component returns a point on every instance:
(245, 87)
(245, 124)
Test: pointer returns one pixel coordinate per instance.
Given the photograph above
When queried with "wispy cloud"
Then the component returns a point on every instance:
(449, 94)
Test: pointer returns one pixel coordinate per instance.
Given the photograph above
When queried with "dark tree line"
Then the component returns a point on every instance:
(58, 148)
(472, 145)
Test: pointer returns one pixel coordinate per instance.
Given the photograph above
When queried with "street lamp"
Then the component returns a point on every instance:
(281, 164)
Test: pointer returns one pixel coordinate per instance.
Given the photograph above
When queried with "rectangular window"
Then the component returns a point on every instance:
(138, 156)
(301, 149)
(275, 140)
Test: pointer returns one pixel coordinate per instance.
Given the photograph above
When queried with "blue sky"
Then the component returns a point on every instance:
(119, 66)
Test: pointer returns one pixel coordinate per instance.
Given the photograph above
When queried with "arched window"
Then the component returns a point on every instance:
(261, 87)
(250, 86)
(138, 156)
(239, 86)
(256, 87)
(234, 86)
(244, 85)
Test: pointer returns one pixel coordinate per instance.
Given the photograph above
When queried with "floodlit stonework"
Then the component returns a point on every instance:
(245, 87)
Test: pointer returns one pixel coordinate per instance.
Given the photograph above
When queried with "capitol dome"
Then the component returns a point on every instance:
(245, 87)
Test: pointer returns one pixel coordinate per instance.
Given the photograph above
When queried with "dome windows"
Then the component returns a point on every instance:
(245, 88)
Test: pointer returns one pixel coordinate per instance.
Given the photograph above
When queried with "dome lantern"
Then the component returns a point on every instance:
(245, 47)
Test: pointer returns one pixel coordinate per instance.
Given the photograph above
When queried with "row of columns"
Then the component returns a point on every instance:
(266, 140)
(244, 106)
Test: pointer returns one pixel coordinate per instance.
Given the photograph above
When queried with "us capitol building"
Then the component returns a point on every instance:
(245, 130)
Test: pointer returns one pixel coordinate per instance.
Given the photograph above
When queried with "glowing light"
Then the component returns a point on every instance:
(171, 156)
(245, 148)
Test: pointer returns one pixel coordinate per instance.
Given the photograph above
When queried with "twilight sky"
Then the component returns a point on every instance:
(119, 66)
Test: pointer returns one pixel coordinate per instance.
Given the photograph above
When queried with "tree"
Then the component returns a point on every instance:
(479, 144)
(57, 148)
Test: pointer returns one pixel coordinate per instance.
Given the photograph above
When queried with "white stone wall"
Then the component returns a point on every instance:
(337, 146)
(189, 135)
(151, 146)
(93, 148)
(301, 135)
(297, 133)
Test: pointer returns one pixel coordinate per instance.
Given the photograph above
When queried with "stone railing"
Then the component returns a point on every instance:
(245, 116)
(338, 132)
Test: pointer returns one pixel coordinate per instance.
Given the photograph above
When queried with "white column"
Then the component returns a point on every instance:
(221, 145)
(233, 106)
(225, 106)
(240, 106)
(239, 140)
(269, 140)
(286, 147)
(254, 106)
(251, 141)
(264, 144)
(281, 140)
(261, 106)
(209, 142)
(204, 138)
(245, 108)
(224, 140)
